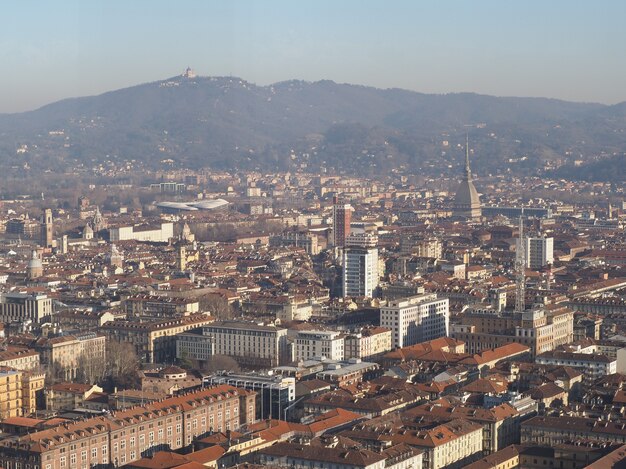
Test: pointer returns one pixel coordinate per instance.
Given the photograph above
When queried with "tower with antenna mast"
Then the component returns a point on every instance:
(467, 199)
(520, 268)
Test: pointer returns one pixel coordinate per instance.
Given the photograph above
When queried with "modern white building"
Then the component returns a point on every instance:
(156, 234)
(592, 365)
(21, 307)
(310, 344)
(360, 265)
(194, 346)
(539, 252)
(416, 319)
(250, 344)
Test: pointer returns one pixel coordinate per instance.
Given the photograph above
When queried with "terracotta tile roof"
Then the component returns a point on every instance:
(546, 391)
(358, 456)
(162, 460)
(496, 459)
(486, 386)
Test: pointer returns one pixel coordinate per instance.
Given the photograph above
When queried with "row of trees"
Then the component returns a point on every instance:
(118, 369)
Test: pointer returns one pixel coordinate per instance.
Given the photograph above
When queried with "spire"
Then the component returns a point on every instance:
(468, 171)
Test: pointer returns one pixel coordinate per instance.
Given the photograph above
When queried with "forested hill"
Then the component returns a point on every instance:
(227, 123)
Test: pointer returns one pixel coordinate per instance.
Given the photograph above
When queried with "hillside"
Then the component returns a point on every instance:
(226, 123)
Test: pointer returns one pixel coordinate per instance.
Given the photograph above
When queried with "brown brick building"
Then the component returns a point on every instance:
(126, 436)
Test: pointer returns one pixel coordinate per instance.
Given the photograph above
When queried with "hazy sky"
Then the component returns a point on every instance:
(574, 50)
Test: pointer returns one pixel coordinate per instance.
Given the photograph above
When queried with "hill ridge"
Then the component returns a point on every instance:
(227, 122)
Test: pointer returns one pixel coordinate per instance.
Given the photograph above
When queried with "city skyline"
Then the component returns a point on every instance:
(561, 50)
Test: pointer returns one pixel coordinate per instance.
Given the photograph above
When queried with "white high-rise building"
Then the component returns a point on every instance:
(310, 344)
(539, 252)
(360, 265)
(416, 319)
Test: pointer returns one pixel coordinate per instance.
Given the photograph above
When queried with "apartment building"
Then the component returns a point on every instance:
(592, 365)
(307, 241)
(370, 342)
(194, 345)
(72, 319)
(19, 358)
(125, 436)
(310, 344)
(18, 392)
(541, 329)
(160, 306)
(249, 343)
(452, 444)
(10, 393)
(360, 265)
(69, 396)
(500, 423)
(539, 252)
(416, 319)
(328, 452)
(551, 431)
(65, 352)
(154, 341)
(318, 457)
(33, 383)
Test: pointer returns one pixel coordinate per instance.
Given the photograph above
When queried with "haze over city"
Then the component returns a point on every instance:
(312, 235)
(558, 49)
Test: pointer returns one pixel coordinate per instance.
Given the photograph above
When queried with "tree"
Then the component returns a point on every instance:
(91, 367)
(54, 373)
(220, 363)
(218, 306)
(122, 364)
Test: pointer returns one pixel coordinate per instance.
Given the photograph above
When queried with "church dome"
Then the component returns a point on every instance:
(35, 267)
(467, 195)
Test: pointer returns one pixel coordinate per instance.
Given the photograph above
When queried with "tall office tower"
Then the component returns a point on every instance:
(539, 252)
(520, 269)
(46, 229)
(360, 265)
(342, 216)
(416, 319)
(467, 200)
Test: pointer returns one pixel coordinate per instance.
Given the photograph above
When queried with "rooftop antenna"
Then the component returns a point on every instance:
(468, 171)
(520, 268)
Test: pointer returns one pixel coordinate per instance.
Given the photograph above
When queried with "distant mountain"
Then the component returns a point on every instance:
(227, 123)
